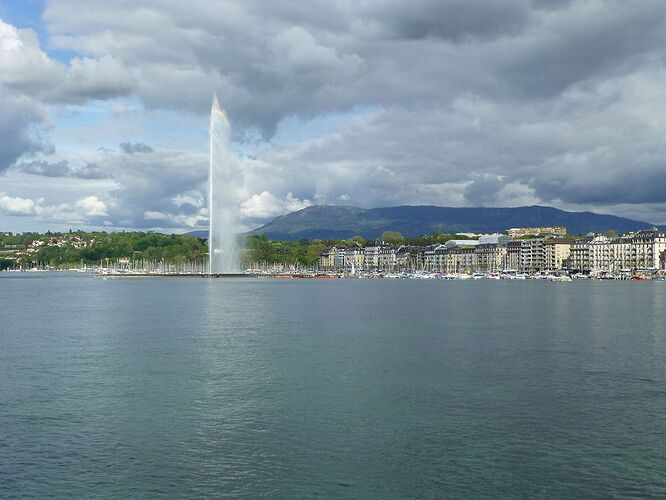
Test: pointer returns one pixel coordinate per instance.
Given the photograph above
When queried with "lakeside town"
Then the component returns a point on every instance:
(522, 250)
(517, 253)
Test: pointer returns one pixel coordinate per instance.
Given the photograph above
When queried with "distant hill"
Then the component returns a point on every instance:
(336, 222)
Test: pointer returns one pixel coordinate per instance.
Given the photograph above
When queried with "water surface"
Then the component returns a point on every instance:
(144, 388)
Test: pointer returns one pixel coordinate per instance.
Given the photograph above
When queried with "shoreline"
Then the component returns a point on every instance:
(418, 275)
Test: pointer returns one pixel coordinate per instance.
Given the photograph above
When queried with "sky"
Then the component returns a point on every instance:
(104, 107)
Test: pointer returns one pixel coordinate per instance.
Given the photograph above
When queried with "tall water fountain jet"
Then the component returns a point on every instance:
(223, 205)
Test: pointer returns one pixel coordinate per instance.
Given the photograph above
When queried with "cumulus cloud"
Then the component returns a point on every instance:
(30, 81)
(92, 206)
(23, 64)
(153, 189)
(266, 205)
(87, 209)
(17, 206)
(26, 68)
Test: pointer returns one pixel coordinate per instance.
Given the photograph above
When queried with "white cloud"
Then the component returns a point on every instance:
(92, 206)
(17, 206)
(178, 220)
(84, 210)
(154, 215)
(266, 205)
(22, 61)
(193, 198)
(26, 68)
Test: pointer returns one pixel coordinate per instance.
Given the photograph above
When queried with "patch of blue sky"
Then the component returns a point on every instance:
(94, 124)
(106, 124)
(28, 14)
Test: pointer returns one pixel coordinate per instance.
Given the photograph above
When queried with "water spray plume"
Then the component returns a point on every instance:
(223, 205)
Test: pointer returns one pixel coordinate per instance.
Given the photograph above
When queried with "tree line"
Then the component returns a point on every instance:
(74, 247)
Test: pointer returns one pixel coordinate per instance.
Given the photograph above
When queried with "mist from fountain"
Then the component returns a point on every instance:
(223, 205)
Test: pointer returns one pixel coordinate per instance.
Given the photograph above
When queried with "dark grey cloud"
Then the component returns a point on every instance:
(137, 147)
(451, 20)
(483, 190)
(63, 169)
(46, 169)
(592, 43)
(21, 119)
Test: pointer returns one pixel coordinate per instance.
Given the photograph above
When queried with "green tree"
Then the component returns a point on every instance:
(393, 237)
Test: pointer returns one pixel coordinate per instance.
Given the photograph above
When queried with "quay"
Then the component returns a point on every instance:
(116, 274)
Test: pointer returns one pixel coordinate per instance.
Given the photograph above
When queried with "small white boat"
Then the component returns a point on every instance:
(560, 278)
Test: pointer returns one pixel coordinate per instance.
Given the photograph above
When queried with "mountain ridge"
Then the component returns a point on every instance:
(339, 222)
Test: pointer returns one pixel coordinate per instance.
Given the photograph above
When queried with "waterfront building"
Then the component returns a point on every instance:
(339, 258)
(490, 257)
(531, 255)
(429, 257)
(635, 252)
(460, 259)
(387, 257)
(579, 256)
(556, 252)
(354, 257)
(600, 254)
(371, 257)
(512, 259)
(380, 256)
(327, 258)
(433, 257)
(608, 255)
(409, 257)
(640, 251)
(648, 250)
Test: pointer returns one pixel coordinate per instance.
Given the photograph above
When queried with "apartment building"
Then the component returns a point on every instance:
(380, 256)
(556, 252)
(354, 257)
(490, 257)
(513, 253)
(640, 251)
(579, 256)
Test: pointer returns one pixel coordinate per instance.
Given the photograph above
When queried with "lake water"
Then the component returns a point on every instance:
(144, 388)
